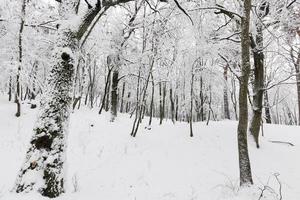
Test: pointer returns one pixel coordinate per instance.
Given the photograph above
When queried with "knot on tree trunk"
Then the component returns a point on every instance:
(65, 56)
(43, 142)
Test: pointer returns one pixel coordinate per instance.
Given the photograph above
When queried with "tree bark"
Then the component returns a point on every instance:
(296, 62)
(114, 89)
(106, 87)
(18, 85)
(191, 105)
(152, 102)
(172, 105)
(46, 155)
(10, 89)
(122, 98)
(44, 162)
(258, 85)
(244, 162)
(226, 102)
(267, 108)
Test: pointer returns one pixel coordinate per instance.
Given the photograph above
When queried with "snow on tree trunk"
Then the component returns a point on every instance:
(114, 87)
(244, 162)
(258, 85)
(43, 167)
(267, 107)
(20, 47)
(44, 162)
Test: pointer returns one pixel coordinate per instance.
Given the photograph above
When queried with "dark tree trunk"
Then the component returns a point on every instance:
(233, 97)
(258, 85)
(244, 162)
(9, 89)
(128, 103)
(18, 85)
(114, 94)
(122, 97)
(106, 87)
(164, 102)
(92, 77)
(201, 100)
(172, 105)
(267, 108)
(136, 121)
(152, 101)
(177, 106)
(226, 102)
(296, 62)
(298, 93)
(161, 114)
(191, 106)
(106, 107)
(33, 91)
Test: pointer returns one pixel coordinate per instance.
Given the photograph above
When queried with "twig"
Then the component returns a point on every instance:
(282, 142)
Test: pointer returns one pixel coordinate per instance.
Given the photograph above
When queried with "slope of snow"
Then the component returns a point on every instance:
(104, 162)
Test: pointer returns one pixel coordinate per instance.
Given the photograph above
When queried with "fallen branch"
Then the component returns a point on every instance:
(282, 142)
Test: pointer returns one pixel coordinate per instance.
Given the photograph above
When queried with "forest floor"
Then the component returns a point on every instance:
(164, 163)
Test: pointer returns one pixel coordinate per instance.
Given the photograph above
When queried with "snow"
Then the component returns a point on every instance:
(164, 163)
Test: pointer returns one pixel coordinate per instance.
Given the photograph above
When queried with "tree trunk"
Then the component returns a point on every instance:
(297, 69)
(172, 105)
(114, 94)
(244, 162)
(191, 106)
(122, 98)
(46, 155)
(160, 104)
(44, 162)
(226, 102)
(267, 108)
(258, 85)
(233, 97)
(201, 100)
(152, 102)
(18, 90)
(106, 87)
(9, 89)
(106, 106)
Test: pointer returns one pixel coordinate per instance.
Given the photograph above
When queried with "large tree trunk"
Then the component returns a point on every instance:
(258, 85)
(244, 162)
(20, 45)
(43, 167)
(45, 158)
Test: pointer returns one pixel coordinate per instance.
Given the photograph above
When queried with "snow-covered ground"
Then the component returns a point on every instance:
(104, 162)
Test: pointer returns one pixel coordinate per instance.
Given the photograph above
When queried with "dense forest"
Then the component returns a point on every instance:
(154, 62)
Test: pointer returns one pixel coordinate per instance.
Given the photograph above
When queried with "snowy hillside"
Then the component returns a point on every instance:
(104, 162)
